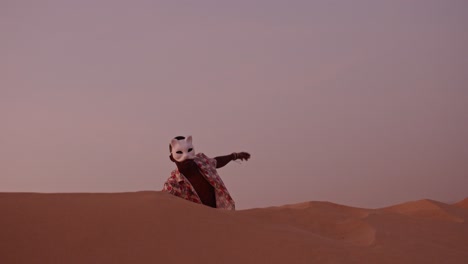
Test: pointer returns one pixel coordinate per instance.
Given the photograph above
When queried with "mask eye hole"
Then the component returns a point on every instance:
(190, 149)
(179, 152)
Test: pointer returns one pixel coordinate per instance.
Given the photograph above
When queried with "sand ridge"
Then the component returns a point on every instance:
(427, 208)
(329, 220)
(463, 203)
(156, 227)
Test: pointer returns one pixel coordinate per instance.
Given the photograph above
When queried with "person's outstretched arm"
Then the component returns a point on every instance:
(221, 161)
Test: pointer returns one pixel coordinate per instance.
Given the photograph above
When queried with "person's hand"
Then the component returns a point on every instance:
(241, 155)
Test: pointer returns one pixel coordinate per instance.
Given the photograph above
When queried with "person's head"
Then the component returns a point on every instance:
(181, 149)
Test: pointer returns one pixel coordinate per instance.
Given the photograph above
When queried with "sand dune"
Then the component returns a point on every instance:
(463, 203)
(155, 227)
(328, 220)
(428, 209)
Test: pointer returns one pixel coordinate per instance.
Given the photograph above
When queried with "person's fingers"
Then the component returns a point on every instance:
(245, 156)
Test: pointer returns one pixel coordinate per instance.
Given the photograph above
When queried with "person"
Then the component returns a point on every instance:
(196, 178)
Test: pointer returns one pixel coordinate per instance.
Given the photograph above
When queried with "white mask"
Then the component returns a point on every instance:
(182, 149)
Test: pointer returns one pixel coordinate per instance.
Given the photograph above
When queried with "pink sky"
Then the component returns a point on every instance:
(363, 103)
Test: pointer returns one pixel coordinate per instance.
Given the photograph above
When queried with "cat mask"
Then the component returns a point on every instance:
(182, 149)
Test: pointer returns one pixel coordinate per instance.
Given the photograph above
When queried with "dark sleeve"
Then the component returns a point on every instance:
(221, 161)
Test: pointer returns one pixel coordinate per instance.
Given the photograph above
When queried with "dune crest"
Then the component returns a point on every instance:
(325, 219)
(463, 203)
(426, 208)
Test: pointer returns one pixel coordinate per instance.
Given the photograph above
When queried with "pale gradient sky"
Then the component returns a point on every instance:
(363, 103)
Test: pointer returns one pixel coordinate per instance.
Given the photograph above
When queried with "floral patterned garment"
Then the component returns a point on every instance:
(179, 186)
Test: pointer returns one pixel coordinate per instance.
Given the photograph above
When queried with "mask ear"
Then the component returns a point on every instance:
(173, 142)
(189, 139)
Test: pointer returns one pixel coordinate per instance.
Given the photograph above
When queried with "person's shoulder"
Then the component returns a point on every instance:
(203, 159)
(202, 156)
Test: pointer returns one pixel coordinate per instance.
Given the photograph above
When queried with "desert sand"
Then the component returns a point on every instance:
(156, 227)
